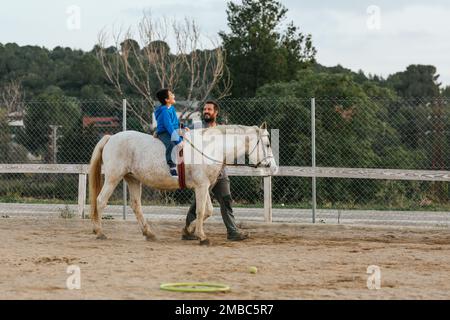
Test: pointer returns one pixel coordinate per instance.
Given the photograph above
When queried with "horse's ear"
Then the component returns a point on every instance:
(263, 126)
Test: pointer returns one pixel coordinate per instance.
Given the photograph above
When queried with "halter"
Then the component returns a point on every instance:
(237, 165)
(260, 136)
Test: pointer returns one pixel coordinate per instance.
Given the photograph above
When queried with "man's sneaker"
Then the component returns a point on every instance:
(237, 236)
(173, 172)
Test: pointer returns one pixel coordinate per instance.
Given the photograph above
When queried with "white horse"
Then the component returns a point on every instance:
(139, 159)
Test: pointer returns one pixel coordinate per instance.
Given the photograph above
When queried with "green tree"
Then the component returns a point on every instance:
(5, 137)
(48, 109)
(352, 130)
(446, 92)
(257, 53)
(84, 70)
(418, 81)
(77, 144)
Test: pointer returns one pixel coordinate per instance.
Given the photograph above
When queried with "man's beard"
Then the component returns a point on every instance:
(208, 118)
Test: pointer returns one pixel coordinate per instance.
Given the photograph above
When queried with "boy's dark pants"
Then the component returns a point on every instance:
(221, 191)
(166, 139)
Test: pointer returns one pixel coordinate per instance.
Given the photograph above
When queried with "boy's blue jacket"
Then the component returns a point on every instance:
(167, 121)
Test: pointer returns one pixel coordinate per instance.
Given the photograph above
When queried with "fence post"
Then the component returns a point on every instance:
(124, 128)
(268, 199)
(81, 194)
(313, 157)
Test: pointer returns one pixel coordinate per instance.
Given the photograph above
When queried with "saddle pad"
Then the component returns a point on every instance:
(181, 172)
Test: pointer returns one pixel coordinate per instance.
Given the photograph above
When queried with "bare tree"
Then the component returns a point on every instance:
(149, 64)
(12, 96)
(206, 69)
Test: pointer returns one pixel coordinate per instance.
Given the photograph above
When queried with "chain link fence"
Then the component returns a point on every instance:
(378, 133)
(350, 133)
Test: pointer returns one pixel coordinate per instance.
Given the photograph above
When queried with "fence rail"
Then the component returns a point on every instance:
(350, 173)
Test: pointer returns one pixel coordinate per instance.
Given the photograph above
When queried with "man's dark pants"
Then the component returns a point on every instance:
(221, 192)
(166, 139)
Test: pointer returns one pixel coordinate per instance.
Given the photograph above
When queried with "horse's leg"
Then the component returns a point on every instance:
(209, 207)
(191, 228)
(201, 194)
(102, 200)
(208, 213)
(135, 188)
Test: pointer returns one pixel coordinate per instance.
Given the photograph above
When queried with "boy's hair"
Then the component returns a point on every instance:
(215, 104)
(162, 95)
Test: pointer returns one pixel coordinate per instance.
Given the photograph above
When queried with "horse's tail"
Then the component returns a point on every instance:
(95, 175)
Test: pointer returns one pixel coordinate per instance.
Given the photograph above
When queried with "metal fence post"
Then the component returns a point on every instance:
(268, 199)
(81, 194)
(124, 128)
(313, 156)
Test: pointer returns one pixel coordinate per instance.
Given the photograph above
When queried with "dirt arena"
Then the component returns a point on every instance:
(293, 261)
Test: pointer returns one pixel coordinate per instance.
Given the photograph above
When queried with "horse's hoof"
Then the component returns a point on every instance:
(188, 237)
(205, 242)
(101, 237)
(185, 235)
(150, 238)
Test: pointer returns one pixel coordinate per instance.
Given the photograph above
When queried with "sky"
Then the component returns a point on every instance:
(378, 36)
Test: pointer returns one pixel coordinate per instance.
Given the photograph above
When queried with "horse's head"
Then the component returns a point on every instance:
(262, 153)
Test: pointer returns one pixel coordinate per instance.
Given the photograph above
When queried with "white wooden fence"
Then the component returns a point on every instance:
(308, 172)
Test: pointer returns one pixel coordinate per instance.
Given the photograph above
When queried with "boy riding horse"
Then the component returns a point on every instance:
(167, 126)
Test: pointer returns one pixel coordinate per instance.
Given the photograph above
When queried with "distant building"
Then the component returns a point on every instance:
(15, 122)
(103, 125)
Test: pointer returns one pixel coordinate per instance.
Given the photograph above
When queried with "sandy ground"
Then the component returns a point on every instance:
(293, 261)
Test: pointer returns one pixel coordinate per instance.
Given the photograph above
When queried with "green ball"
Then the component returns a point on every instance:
(253, 270)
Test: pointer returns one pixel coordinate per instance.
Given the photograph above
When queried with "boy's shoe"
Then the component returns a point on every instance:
(173, 172)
